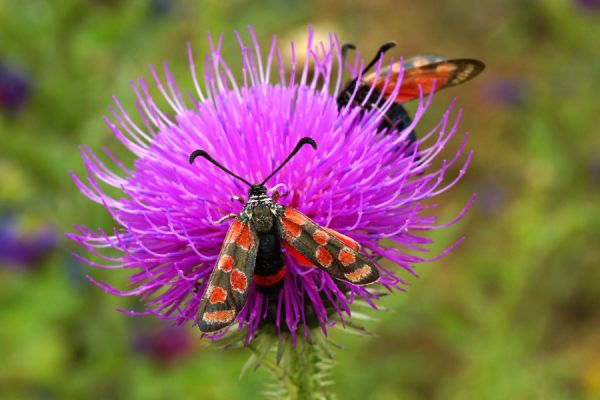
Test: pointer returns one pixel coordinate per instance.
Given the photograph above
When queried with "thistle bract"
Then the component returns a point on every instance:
(362, 182)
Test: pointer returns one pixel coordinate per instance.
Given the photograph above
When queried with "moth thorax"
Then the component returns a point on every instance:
(263, 218)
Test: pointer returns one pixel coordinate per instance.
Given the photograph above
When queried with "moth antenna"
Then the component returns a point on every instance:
(301, 142)
(382, 50)
(202, 153)
(345, 48)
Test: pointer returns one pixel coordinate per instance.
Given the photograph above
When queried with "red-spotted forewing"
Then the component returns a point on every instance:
(324, 248)
(229, 281)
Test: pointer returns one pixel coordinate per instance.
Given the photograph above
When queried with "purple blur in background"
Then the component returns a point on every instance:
(22, 250)
(591, 5)
(15, 89)
(502, 91)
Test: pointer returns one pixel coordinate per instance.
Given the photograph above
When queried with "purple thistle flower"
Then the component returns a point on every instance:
(360, 182)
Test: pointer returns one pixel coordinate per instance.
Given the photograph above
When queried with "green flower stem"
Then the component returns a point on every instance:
(301, 372)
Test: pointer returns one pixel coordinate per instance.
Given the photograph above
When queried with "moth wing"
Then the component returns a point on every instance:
(331, 251)
(422, 60)
(230, 279)
(424, 73)
(300, 259)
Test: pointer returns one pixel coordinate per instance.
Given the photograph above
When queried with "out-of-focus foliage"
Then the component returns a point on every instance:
(512, 314)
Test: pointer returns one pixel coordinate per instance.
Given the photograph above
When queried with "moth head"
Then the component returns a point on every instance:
(257, 190)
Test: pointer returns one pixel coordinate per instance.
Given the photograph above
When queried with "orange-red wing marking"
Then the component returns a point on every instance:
(229, 281)
(347, 240)
(300, 259)
(422, 73)
(325, 249)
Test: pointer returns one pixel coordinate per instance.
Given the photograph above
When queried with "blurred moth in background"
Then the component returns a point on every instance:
(418, 76)
(252, 250)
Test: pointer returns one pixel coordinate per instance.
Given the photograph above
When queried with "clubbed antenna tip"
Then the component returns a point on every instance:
(382, 50)
(301, 142)
(306, 140)
(199, 153)
(345, 48)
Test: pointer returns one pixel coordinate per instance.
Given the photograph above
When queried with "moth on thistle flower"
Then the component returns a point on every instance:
(418, 76)
(365, 184)
(252, 250)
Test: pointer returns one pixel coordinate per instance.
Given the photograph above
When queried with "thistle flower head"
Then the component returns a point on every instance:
(361, 182)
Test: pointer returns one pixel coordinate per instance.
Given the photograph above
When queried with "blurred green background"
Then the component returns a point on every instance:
(513, 313)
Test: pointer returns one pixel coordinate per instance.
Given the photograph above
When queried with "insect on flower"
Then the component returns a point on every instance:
(366, 185)
(420, 74)
(252, 250)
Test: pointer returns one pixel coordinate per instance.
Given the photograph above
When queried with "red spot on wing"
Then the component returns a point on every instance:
(234, 231)
(239, 282)
(225, 263)
(359, 274)
(291, 230)
(222, 316)
(323, 257)
(321, 237)
(347, 256)
(295, 216)
(246, 239)
(345, 239)
(300, 259)
(269, 280)
(217, 295)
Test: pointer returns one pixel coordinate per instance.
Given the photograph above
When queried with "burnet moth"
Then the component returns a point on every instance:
(252, 250)
(423, 73)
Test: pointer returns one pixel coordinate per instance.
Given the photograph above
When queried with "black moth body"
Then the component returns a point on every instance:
(270, 266)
